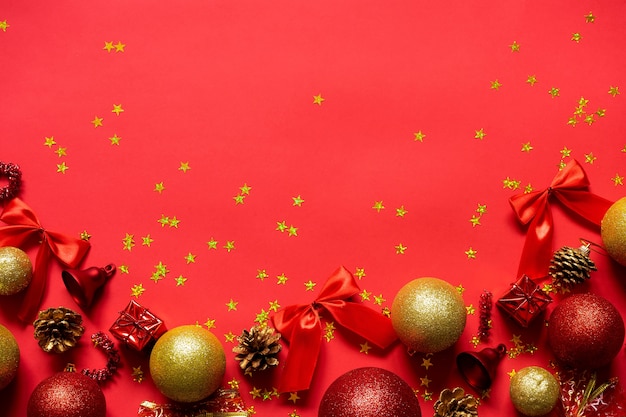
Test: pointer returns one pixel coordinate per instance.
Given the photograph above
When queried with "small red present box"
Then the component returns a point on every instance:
(222, 403)
(524, 301)
(137, 326)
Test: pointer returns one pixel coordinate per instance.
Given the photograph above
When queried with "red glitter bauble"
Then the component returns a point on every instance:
(367, 392)
(585, 331)
(67, 394)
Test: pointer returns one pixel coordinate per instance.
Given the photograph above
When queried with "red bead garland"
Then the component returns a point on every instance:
(14, 176)
(103, 342)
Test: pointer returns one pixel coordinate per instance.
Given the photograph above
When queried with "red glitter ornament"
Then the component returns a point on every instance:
(585, 331)
(370, 391)
(67, 394)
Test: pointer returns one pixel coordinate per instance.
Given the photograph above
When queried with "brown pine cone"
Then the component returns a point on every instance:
(454, 403)
(571, 266)
(58, 329)
(257, 349)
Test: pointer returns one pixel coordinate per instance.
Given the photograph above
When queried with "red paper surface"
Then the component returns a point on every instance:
(228, 88)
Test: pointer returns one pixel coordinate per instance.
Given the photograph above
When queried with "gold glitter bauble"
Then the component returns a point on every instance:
(428, 315)
(187, 363)
(613, 231)
(16, 270)
(534, 391)
(9, 356)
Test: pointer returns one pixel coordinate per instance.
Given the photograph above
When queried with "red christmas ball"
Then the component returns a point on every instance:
(366, 392)
(67, 394)
(585, 331)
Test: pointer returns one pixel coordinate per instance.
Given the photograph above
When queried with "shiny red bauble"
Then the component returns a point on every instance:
(67, 394)
(367, 392)
(585, 331)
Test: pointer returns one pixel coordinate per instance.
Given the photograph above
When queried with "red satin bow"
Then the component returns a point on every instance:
(569, 187)
(23, 227)
(300, 325)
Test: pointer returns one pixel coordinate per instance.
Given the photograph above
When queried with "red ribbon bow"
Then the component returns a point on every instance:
(23, 227)
(569, 187)
(300, 325)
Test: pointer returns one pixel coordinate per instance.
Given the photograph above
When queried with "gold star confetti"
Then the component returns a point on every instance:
(364, 348)
(495, 85)
(62, 167)
(526, 147)
(294, 413)
(511, 373)
(157, 276)
(251, 411)
(293, 396)
(601, 112)
(426, 363)
(310, 285)
(239, 199)
(297, 201)
(180, 281)
(554, 92)
(4, 25)
(318, 99)
(514, 46)
(590, 119)
(146, 240)
(230, 246)
(379, 300)
(470, 309)
(378, 206)
(255, 393)
(528, 189)
(164, 220)
(261, 274)
(117, 109)
(292, 230)
(424, 381)
(400, 249)
(97, 121)
(359, 273)
(482, 209)
(281, 279)
(274, 306)
(281, 226)
(173, 222)
(460, 288)
(623, 149)
(124, 269)
(365, 295)
(617, 180)
(137, 290)
(427, 396)
(119, 47)
(232, 305)
(576, 37)
(614, 91)
(84, 235)
(212, 244)
(210, 323)
(190, 258)
(230, 337)
(475, 341)
(531, 79)
(49, 142)
(565, 152)
(184, 166)
(590, 158)
(161, 269)
(480, 134)
(511, 184)
(386, 311)
(572, 121)
(129, 242)
(108, 46)
(262, 317)
(419, 136)
(475, 220)
(61, 152)
(233, 383)
(159, 187)
(137, 374)
(400, 211)
(471, 253)
(590, 18)
(115, 140)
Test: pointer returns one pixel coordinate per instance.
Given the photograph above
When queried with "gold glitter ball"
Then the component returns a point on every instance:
(9, 356)
(428, 315)
(534, 391)
(16, 270)
(613, 231)
(187, 363)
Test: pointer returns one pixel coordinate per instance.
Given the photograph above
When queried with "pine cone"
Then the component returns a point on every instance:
(257, 349)
(571, 266)
(58, 329)
(456, 404)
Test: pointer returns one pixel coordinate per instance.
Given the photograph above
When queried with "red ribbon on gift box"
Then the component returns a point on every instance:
(23, 227)
(137, 326)
(300, 325)
(524, 301)
(569, 187)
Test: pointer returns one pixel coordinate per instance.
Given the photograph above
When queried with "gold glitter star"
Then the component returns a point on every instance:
(475, 220)
(386, 311)
(400, 249)
(531, 79)
(115, 140)
(424, 381)
(49, 142)
(565, 153)
(470, 309)
(292, 230)
(293, 396)
(212, 244)
(274, 306)
(294, 413)
(137, 374)
(590, 18)
(157, 276)
(245, 189)
(495, 85)
(108, 46)
(281, 226)
(281, 279)
(426, 363)
(62, 167)
(590, 158)
(233, 383)
(590, 119)
(471, 253)
(84, 235)
(526, 147)
(511, 373)
(239, 199)
(364, 348)
(601, 112)
(517, 340)
(318, 99)
(475, 341)
(180, 281)
(129, 241)
(359, 273)
(514, 46)
(174, 222)
(623, 149)
(460, 288)
(419, 136)
(310, 285)
(137, 290)
(480, 134)
(61, 152)
(256, 392)
(576, 37)
(119, 47)
(427, 396)
(572, 121)
(184, 166)
(232, 305)
(554, 92)
(482, 209)
(230, 245)
(230, 337)
(261, 274)
(190, 258)
(400, 211)
(262, 317)
(97, 121)
(117, 109)
(614, 91)
(146, 240)
(528, 189)
(210, 323)
(159, 187)
(378, 206)
(164, 220)
(365, 295)
(297, 200)
(379, 300)
(4, 25)
(617, 180)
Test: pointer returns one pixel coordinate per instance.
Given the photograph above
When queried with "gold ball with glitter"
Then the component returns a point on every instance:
(613, 231)
(9, 356)
(534, 391)
(16, 270)
(187, 363)
(428, 315)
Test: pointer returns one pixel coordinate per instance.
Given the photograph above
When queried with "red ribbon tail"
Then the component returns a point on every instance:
(537, 250)
(37, 287)
(301, 361)
(365, 322)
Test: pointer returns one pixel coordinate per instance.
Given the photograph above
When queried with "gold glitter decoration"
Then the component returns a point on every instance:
(613, 231)
(9, 356)
(428, 314)
(16, 270)
(534, 391)
(187, 363)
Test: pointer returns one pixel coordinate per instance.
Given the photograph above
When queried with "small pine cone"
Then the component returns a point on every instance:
(58, 329)
(257, 349)
(571, 266)
(454, 403)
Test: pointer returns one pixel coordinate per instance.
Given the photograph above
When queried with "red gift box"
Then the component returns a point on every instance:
(223, 403)
(137, 326)
(524, 301)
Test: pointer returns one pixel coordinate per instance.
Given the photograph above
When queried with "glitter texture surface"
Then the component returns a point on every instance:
(67, 394)
(585, 331)
(9, 356)
(369, 392)
(613, 231)
(428, 314)
(534, 391)
(16, 270)
(187, 363)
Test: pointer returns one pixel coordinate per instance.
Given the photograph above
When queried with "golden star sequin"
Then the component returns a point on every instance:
(180, 280)
(424, 381)
(159, 187)
(292, 230)
(471, 253)
(117, 109)
(184, 166)
(554, 92)
(229, 246)
(128, 241)
(281, 279)
(565, 152)
(274, 306)
(4, 25)
(365, 295)
(400, 249)
(379, 300)
(233, 383)
(590, 18)
(137, 374)
(495, 85)
(119, 47)
(174, 222)
(359, 272)
(309, 285)
(401, 211)
(614, 91)
(108, 46)
(293, 397)
(239, 199)
(190, 258)
(210, 323)
(255, 393)
(62, 167)
(418, 136)
(61, 151)
(531, 79)
(137, 290)
(470, 309)
(576, 37)
(146, 240)
(318, 99)
(378, 206)
(527, 147)
(590, 158)
(115, 140)
(514, 46)
(479, 134)
(460, 289)
(97, 121)
(617, 180)
(294, 413)
(124, 269)
(261, 274)
(426, 363)
(212, 244)
(232, 305)
(262, 317)
(365, 347)
(297, 201)
(84, 235)
(49, 142)
(230, 337)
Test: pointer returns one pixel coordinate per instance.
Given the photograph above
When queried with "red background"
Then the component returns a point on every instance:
(229, 86)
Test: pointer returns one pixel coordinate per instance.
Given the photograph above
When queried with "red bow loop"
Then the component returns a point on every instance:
(301, 326)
